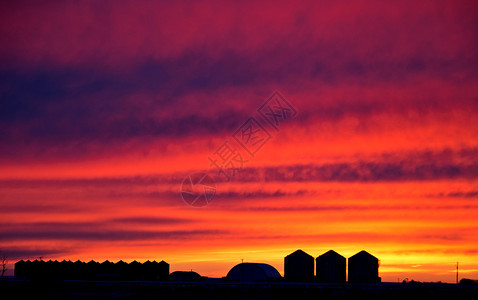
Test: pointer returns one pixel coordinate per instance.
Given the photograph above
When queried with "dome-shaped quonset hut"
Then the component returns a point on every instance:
(299, 266)
(253, 272)
(363, 267)
(331, 267)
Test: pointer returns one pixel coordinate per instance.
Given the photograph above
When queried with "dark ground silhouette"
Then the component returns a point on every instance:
(218, 289)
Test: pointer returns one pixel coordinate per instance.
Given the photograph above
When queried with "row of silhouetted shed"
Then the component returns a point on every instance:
(331, 267)
(39, 269)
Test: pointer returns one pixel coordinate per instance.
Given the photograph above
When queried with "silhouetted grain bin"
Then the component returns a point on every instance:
(252, 272)
(184, 276)
(299, 266)
(331, 267)
(363, 267)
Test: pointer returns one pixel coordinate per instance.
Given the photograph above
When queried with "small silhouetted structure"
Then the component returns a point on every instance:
(248, 272)
(92, 270)
(185, 276)
(299, 266)
(467, 281)
(363, 267)
(331, 267)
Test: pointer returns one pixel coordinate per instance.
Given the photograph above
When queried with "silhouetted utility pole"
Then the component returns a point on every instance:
(456, 272)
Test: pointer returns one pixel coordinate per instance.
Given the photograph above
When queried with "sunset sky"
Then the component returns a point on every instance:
(107, 106)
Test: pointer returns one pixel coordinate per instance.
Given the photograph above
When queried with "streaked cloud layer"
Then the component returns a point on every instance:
(107, 106)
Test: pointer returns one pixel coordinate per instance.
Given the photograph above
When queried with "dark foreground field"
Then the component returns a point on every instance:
(12, 288)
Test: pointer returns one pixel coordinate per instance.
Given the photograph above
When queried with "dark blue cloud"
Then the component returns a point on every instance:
(48, 105)
(400, 166)
(96, 231)
(15, 253)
